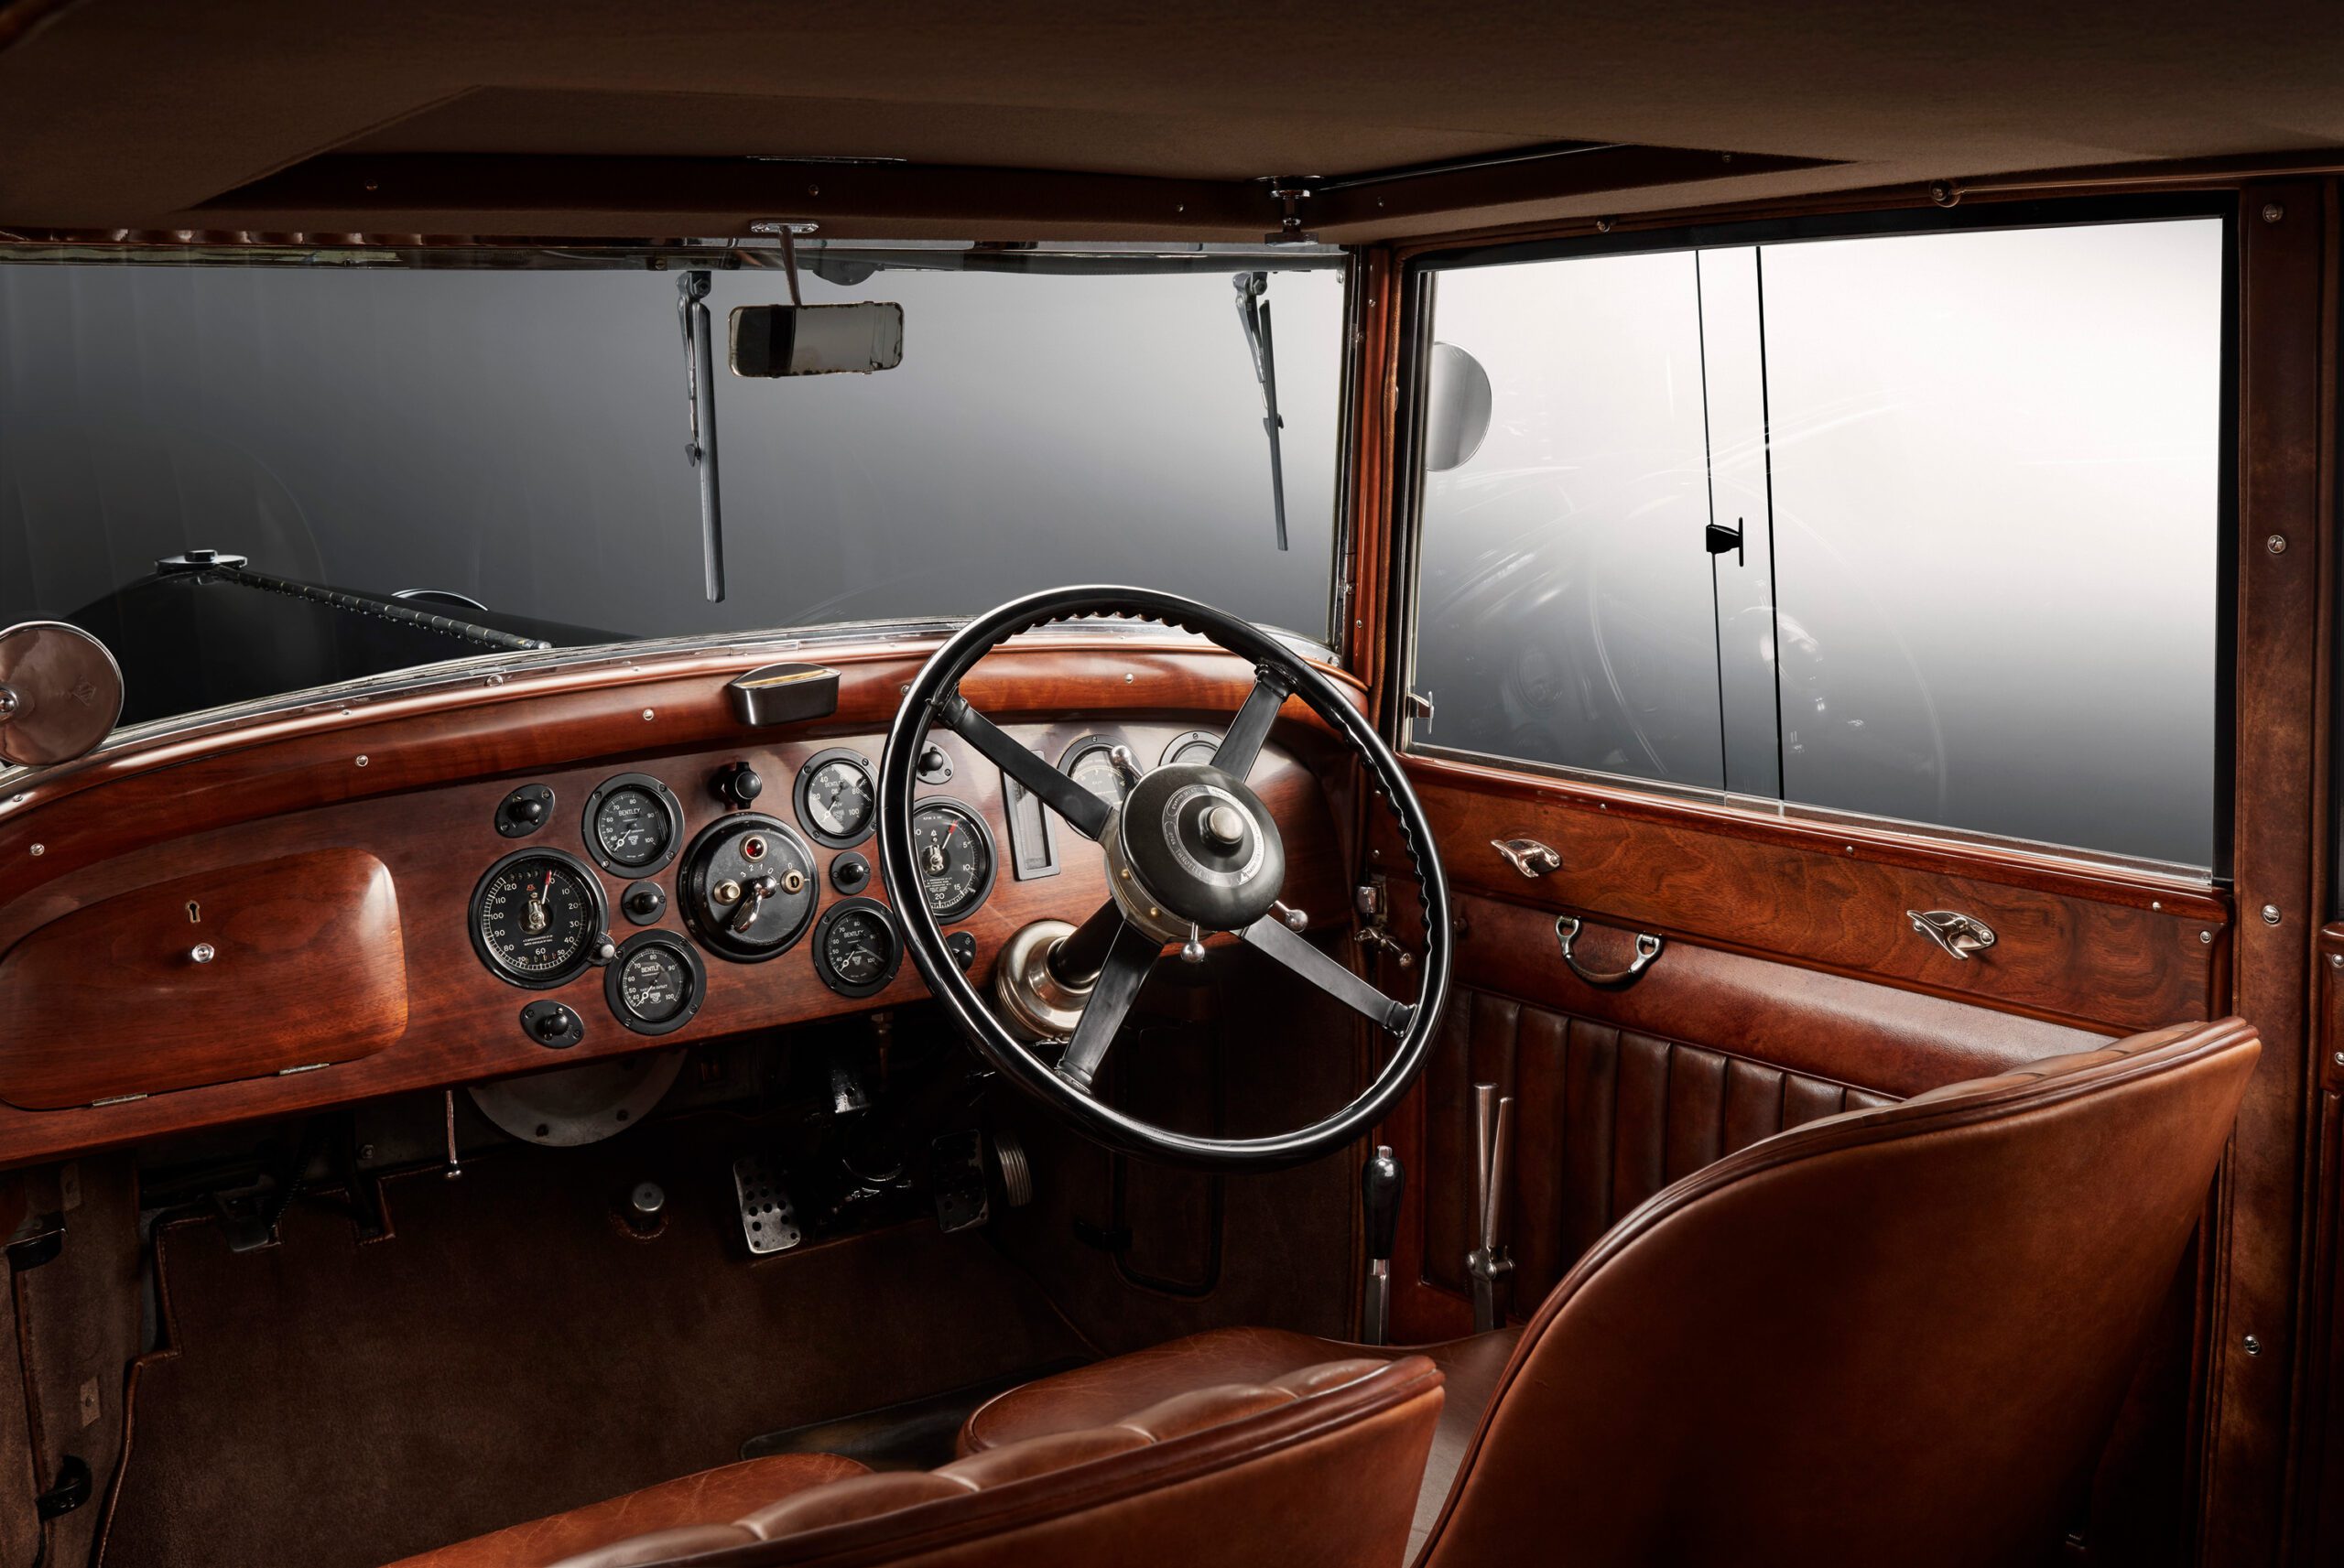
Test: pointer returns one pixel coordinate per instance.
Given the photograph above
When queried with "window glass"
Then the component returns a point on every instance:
(518, 438)
(1954, 521)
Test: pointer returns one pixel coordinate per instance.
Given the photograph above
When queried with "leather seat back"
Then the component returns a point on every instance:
(1897, 1334)
(1320, 1466)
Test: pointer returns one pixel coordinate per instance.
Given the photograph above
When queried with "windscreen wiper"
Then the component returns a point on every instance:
(699, 387)
(1253, 315)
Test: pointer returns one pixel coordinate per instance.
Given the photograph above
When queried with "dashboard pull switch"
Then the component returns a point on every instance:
(738, 784)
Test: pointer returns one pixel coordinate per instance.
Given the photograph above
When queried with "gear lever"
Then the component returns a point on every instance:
(1490, 1268)
(1379, 1194)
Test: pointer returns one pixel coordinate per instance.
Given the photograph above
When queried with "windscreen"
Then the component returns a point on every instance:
(508, 451)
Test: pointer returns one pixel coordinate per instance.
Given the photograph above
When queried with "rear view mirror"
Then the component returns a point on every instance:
(817, 339)
(1457, 408)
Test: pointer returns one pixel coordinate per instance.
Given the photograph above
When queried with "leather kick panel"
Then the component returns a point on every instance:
(1604, 1118)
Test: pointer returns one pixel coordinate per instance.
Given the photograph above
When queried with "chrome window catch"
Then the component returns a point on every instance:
(1529, 856)
(1959, 935)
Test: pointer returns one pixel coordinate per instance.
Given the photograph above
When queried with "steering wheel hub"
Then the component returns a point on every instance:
(1193, 845)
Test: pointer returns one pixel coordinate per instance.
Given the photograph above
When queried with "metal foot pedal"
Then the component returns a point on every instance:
(768, 1221)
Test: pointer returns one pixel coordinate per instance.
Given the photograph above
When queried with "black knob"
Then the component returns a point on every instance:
(555, 1023)
(935, 767)
(644, 903)
(850, 873)
(1379, 1192)
(738, 784)
(964, 948)
(526, 809)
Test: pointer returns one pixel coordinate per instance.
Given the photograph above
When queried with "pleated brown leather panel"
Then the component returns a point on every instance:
(1604, 1118)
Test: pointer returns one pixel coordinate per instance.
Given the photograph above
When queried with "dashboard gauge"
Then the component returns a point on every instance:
(634, 825)
(1196, 746)
(656, 983)
(748, 887)
(836, 800)
(1089, 762)
(952, 854)
(535, 918)
(857, 948)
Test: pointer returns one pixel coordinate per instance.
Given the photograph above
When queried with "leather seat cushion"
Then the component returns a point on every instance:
(1097, 1394)
(707, 1499)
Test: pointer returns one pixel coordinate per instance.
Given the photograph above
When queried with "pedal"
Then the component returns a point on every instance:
(956, 1166)
(768, 1221)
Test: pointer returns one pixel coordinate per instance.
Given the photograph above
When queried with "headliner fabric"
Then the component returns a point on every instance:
(132, 113)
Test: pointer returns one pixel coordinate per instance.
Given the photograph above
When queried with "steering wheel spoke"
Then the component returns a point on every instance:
(1129, 960)
(1084, 811)
(1242, 745)
(1271, 936)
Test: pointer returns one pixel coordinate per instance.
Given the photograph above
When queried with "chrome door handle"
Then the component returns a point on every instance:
(1959, 933)
(1648, 948)
(1528, 856)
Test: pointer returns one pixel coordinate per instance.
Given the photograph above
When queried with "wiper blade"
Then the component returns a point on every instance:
(1253, 315)
(699, 386)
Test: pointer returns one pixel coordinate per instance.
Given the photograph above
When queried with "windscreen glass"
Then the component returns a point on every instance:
(505, 450)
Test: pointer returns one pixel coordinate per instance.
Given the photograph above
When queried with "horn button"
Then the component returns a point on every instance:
(1193, 845)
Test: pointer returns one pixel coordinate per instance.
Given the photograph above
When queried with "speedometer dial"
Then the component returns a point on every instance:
(1090, 762)
(534, 916)
(952, 855)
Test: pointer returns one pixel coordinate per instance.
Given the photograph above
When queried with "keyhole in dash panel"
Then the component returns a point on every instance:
(194, 913)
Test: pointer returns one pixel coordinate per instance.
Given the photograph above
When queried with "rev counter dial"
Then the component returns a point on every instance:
(1090, 762)
(535, 918)
(952, 855)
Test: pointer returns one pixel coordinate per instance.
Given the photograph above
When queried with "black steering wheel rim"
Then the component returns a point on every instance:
(933, 693)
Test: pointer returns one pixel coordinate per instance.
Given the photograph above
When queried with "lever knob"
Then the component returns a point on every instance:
(554, 1024)
(738, 784)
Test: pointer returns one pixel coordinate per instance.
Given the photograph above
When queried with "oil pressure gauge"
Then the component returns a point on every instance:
(656, 983)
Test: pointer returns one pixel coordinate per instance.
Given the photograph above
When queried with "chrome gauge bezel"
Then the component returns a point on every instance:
(1102, 743)
(614, 982)
(982, 888)
(830, 917)
(598, 923)
(1209, 739)
(663, 798)
(800, 793)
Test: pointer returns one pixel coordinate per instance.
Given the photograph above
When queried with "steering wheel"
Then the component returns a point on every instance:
(1191, 851)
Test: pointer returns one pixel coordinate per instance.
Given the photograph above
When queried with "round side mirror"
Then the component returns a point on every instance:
(61, 693)
(1457, 408)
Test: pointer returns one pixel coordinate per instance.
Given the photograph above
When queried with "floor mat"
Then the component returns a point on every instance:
(512, 1351)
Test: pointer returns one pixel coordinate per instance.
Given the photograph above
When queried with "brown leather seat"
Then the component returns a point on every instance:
(1897, 1334)
(1318, 1465)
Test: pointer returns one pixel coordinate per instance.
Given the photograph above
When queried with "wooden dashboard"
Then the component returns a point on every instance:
(325, 861)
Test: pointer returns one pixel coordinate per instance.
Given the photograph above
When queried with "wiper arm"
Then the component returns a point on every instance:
(1253, 315)
(699, 387)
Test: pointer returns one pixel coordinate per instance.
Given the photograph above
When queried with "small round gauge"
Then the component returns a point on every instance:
(857, 948)
(952, 855)
(656, 983)
(836, 801)
(535, 916)
(1196, 746)
(634, 825)
(1090, 762)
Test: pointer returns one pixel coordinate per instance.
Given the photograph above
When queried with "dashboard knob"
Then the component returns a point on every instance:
(554, 1024)
(645, 902)
(738, 784)
(528, 808)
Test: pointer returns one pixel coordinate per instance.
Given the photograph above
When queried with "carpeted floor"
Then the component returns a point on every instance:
(511, 1352)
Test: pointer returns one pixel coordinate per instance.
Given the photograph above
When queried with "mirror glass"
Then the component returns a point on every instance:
(817, 339)
(1457, 408)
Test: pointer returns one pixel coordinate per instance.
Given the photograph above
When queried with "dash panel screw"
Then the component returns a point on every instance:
(2276, 544)
(2270, 914)
(2272, 211)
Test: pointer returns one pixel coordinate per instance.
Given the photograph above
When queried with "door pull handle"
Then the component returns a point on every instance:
(1648, 946)
(1529, 856)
